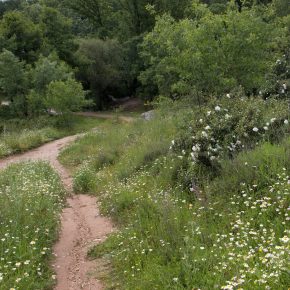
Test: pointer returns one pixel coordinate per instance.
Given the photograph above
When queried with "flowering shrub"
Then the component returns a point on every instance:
(31, 198)
(229, 125)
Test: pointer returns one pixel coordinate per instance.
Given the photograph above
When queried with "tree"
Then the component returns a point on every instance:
(100, 65)
(210, 53)
(48, 69)
(20, 35)
(45, 71)
(57, 31)
(9, 5)
(13, 81)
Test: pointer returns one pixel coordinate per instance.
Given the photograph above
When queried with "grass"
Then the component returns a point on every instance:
(22, 135)
(31, 199)
(237, 238)
(126, 147)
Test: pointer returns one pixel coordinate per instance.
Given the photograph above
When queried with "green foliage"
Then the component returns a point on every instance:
(229, 125)
(57, 30)
(100, 64)
(48, 69)
(209, 53)
(28, 193)
(65, 96)
(20, 35)
(13, 79)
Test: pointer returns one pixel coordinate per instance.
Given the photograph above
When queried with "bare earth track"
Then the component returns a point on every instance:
(81, 225)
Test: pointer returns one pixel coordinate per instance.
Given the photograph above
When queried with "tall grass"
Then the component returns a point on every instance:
(124, 148)
(237, 239)
(31, 199)
(22, 135)
(228, 232)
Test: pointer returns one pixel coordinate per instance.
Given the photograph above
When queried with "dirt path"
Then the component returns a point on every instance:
(82, 225)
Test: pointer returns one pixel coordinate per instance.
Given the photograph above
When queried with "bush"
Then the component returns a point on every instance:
(229, 125)
(65, 96)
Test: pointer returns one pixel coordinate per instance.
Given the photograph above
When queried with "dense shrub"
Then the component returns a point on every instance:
(226, 126)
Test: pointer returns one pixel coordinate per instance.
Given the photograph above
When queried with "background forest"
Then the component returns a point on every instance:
(96, 49)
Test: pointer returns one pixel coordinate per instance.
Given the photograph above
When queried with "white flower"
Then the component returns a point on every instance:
(207, 128)
(266, 128)
(285, 239)
(204, 134)
(255, 129)
(228, 96)
(286, 122)
(172, 142)
(217, 108)
(273, 120)
(175, 279)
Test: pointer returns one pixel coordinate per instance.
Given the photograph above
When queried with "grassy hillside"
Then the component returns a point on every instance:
(188, 220)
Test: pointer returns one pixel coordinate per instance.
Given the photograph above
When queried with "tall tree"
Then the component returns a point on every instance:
(20, 35)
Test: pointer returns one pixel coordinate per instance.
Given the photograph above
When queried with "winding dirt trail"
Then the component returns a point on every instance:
(82, 225)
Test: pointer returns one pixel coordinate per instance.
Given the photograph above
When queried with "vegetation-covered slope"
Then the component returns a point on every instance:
(187, 220)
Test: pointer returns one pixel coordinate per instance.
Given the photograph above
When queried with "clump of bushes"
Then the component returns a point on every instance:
(229, 125)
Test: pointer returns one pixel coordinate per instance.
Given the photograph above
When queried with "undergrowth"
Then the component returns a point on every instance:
(31, 199)
(186, 220)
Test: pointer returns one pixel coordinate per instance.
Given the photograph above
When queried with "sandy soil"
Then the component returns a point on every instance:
(81, 228)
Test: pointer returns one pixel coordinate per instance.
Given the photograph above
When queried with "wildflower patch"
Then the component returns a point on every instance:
(31, 199)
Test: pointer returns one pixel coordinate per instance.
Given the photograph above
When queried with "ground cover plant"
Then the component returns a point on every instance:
(188, 221)
(19, 135)
(31, 199)
(235, 240)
